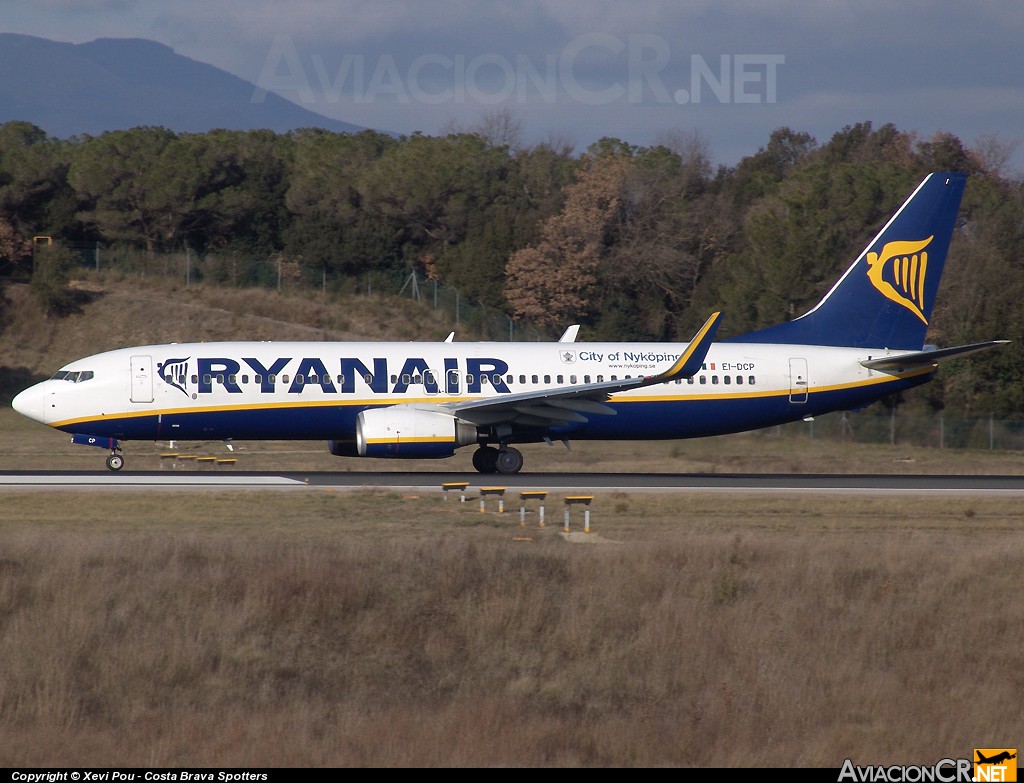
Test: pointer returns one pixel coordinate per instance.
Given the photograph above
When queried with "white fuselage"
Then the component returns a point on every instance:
(311, 390)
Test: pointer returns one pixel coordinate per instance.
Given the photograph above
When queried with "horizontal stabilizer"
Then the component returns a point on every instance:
(922, 358)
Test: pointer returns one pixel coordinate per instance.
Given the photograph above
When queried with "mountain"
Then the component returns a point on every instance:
(116, 83)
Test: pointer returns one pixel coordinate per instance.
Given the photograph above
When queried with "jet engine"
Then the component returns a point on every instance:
(411, 433)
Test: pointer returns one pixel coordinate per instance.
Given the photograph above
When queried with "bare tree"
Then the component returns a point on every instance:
(994, 152)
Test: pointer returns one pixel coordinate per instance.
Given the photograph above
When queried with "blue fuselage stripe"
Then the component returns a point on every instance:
(636, 419)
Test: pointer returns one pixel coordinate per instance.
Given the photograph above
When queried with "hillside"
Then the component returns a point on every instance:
(114, 84)
(115, 314)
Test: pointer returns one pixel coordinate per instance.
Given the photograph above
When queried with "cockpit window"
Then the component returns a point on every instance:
(72, 376)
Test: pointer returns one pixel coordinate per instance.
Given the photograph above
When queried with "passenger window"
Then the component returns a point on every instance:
(469, 379)
(257, 379)
(207, 379)
(572, 379)
(600, 379)
(231, 378)
(690, 380)
(300, 379)
(586, 379)
(195, 379)
(703, 380)
(739, 380)
(615, 377)
(714, 380)
(728, 380)
(245, 378)
(534, 379)
(750, 380)
(547, 379)
(272, 379)
(368, 378)
(522, 378)
(560, 379)
(483, 380)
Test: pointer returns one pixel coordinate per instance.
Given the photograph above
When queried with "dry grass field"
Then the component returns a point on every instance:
(305, 627)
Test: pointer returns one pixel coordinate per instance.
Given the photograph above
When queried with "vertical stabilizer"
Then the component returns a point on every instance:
(885, 299)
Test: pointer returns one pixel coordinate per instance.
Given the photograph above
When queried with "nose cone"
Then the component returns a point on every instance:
(30, 402)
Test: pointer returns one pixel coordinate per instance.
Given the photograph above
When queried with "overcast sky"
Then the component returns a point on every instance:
(733, 70)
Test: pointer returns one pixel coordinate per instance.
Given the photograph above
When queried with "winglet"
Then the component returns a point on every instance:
(569, 335)
(693, 357)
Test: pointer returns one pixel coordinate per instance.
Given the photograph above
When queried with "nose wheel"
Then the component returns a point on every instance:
(115, 461)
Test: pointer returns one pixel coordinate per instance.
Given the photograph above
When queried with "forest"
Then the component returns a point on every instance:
(637, 243)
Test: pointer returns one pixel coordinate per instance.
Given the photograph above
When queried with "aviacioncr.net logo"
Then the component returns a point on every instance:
(943, 771)
(998, 765)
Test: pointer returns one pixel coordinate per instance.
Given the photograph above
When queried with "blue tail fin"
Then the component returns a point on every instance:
(885, 299)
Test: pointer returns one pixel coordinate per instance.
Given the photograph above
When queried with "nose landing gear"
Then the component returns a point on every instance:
(116, 459)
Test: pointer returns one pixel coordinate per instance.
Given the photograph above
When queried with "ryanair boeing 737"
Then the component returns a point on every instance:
(863, 340)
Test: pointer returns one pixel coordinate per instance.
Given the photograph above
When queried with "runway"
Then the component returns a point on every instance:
(555, 482)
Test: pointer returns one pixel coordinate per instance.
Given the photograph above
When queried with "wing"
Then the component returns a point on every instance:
(565, 404)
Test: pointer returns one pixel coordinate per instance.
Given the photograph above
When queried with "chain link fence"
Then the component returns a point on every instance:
(908, 429)
(239, 270)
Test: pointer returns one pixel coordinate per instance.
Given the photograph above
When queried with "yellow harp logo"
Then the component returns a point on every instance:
(903, 280)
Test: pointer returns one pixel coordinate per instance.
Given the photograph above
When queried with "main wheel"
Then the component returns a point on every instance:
(485, 459)
(115, 462)
(509, 461)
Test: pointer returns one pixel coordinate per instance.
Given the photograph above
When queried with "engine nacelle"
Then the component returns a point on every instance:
(411, 433)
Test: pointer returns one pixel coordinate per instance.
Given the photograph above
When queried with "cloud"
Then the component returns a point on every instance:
(919, 64)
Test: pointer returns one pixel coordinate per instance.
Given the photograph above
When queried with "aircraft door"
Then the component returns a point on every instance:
(798, 380)
(142, 379)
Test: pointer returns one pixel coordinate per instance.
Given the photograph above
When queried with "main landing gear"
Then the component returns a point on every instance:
(506, 459)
